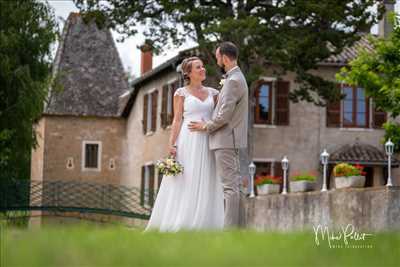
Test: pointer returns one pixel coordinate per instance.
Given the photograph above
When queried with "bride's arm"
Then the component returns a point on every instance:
(176, 123)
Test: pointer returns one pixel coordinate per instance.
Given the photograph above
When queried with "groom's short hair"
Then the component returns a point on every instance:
(229, 49)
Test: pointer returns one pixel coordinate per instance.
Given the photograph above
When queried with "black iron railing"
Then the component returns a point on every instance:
(76, 196)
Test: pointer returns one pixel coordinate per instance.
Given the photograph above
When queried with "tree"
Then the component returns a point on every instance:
(27, 31)
(378, 72)
(291, 33)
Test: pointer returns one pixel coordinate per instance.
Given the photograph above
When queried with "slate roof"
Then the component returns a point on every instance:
(361, 153)
(90, 72)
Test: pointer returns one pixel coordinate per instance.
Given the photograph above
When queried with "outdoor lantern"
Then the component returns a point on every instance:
(285, 163)
(252, 171)
(285, 166)
(389, 146)
(324, 161)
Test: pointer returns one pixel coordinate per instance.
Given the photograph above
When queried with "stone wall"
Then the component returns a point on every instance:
(63, 139)
(372, 209)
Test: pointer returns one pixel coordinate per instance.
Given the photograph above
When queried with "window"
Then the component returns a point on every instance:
(147, 185)
(354, 110)
(91, 155)
(150, 112)
(264, 103)
(264, 168)
(355, 107)
(159, 177)
(167, 104)
(272, 103)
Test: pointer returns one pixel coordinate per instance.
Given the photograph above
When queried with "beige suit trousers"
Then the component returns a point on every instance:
(227, 165)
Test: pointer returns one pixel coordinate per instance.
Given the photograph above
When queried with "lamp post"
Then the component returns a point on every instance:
(324, 161)
(389, 146)
(285, 165)
(252, 171)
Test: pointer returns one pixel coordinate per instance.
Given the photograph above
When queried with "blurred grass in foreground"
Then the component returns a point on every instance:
(91, 245)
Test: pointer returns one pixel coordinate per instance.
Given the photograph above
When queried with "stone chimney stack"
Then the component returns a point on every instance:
(146, 61)
(385, 27)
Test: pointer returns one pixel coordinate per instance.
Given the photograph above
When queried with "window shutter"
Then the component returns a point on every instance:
(175, 86)
(142, 186)
(154, 110)
(144, 121)
(160, 177)
(256, 105)
(282, 103)
(164, 103)
(333, 113)
(151, 185)
(379, 117)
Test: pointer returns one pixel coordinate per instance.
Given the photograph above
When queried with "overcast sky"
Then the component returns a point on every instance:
(128, 51)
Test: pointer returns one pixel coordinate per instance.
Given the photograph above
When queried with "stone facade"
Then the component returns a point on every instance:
(63, 138)
(304, 139)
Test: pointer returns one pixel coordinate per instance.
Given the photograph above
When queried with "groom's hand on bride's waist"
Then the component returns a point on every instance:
(197, 126)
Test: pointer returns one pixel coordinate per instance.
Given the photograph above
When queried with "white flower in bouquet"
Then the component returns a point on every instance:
(221, 82)
(169, 167)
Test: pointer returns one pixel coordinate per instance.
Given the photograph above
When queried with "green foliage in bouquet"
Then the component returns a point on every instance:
(169, 166)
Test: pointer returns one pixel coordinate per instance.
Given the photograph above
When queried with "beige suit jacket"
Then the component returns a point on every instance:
(229, 123)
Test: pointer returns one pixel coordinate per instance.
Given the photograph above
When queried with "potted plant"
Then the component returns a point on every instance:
(267, 184)
(347, 175)
(303, 182)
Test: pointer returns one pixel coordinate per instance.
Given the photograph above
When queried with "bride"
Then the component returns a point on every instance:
(193, 199)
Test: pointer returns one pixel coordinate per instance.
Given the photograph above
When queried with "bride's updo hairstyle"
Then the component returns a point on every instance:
(186, 67)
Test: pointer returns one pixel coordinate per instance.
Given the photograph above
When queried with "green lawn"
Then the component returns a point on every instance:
(89, 245)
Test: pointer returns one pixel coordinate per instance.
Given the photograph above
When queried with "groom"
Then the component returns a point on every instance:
(228, 128)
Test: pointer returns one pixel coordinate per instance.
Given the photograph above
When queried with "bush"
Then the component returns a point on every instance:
(267, 179)
(346, 170)
(392, 131)
(305, 176)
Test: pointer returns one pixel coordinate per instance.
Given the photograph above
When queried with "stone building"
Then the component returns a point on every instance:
(100, 129)
(81, 134)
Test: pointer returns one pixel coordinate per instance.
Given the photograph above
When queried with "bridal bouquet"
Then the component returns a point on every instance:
(169, 166)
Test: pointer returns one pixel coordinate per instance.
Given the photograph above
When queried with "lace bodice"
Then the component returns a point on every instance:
(193, 107)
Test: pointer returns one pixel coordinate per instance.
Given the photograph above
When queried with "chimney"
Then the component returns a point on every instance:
(146, 62)
(385, 27)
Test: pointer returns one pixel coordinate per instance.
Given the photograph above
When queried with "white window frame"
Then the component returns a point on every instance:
(272, 80)
(87, 142)
(146, 186)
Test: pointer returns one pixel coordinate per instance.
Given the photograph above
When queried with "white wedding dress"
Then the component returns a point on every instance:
(193, 200)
